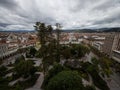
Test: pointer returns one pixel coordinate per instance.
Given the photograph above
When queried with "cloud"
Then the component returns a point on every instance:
(9, 4)
(107, 5)
(107, 20)
(22, 14)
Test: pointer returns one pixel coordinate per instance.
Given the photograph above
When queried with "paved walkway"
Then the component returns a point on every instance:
(113, 85)
(37, 61)
(114, 82)
(38, 84)
(11, 59)
(90, 56)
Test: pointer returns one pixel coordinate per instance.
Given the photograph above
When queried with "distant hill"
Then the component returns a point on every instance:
(78, 30)
(110, 30)
(94, 30)
(18, 31)
(116, 29)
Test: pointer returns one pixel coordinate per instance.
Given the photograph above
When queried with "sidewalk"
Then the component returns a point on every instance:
(38, 83)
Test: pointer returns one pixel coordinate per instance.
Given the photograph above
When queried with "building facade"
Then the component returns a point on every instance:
(11, 42)
(112, 46)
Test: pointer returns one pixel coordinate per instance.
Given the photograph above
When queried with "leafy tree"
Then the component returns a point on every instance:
(32, 51)
(90, 88)
(58, 36)
(66, 53)
(18, 87)
(45, 38)
(74, 64)
(97, 80)
(1, 61)
(47, 61)
(104, 61)
(25, 68)
(52, 72)
(105, 64)
(117, 67)
(2, 70)
(79, 51)
(95, 63)
(73, 52)
(19, 59)
(21, 50)
(65, 80)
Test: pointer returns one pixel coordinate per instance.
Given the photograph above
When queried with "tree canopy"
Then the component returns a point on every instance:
(25, 68)
(65, 80)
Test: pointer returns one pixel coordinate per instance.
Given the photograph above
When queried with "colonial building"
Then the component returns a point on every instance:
(3, 50)
(73, 38)
(11, 42)
(108, 44)
(112, 46)
(116, 48)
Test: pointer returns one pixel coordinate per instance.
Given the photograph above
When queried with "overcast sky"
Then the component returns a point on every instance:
(22, 14)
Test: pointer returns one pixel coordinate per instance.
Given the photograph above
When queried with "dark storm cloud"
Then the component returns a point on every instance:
(111, 19)
(107, 5)
(8, 4)
(3, 24)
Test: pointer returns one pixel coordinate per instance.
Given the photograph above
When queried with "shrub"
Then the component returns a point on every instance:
(3, 70)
